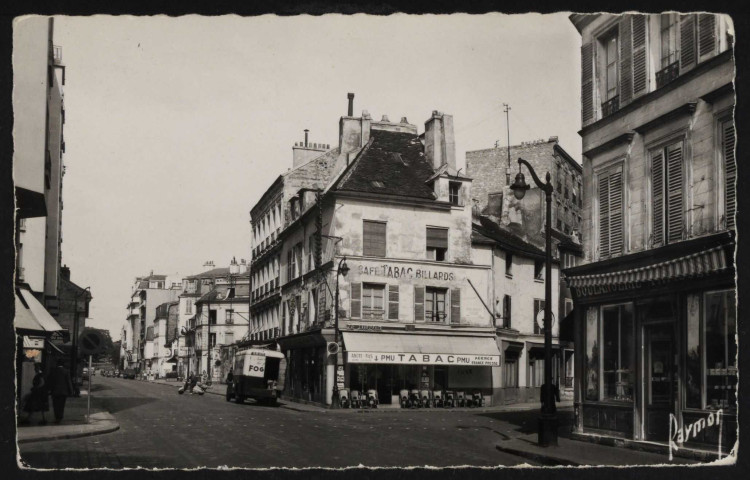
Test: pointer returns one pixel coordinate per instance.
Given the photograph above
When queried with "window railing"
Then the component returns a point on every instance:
(373, 314)
(435, 317)
(610, 106)
(667, 74)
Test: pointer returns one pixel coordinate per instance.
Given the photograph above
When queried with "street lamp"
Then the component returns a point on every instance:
(74, 345)
(342, 269)
(548, 422)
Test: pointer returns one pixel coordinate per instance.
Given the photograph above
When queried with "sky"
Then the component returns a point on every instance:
(176, 126)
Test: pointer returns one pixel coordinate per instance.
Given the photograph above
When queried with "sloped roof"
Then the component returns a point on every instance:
(219, 293)
(396, 160)
(214, 273)
(488, 229)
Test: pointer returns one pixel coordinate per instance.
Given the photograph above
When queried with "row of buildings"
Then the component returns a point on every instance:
(49, 308)
(378, 264)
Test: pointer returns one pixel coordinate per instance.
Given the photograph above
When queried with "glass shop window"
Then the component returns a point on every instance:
(618, 366)
(721, 350)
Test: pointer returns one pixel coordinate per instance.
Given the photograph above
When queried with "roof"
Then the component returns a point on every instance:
(489, 230)
(396, 161)
(214, 273)
(219, 293)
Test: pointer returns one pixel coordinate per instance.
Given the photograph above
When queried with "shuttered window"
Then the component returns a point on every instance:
(706, 35)
(455, 306)
(392, 302)
(633, 58)
(418, 304)
(437, 243)
(730, 171)
(587, 82)
(640, 60)
(610, 213)
(668, 210)
(687, 42)
(356, 300)
(373, 243)
(626, 59)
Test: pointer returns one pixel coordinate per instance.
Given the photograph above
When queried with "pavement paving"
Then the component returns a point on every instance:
(73, 425)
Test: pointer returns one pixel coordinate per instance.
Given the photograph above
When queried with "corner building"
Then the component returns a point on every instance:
(655, 297)
(411, 312)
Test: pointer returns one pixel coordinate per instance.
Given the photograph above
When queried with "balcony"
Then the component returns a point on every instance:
(667, 74)
(610, 106)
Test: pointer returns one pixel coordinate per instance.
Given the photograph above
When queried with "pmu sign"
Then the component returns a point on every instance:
(92, 343)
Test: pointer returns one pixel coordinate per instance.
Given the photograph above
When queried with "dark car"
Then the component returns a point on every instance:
(129, 373)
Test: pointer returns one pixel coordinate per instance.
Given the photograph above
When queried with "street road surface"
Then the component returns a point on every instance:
(161, 429)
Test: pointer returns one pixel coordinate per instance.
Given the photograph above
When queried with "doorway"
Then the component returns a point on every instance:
(659, 379)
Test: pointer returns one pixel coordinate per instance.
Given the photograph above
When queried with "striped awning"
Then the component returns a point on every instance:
(694, 265)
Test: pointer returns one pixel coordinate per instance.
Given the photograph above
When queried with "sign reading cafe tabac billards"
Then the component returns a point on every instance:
(91, 343)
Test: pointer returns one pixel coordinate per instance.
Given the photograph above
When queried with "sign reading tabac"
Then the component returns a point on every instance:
(424, 359)
(394, 271)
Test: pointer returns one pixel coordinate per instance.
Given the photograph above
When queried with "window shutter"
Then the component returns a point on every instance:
(657, 198)
(730, 172)
(392, 302)
(455, 306)
(418, 304)
(506, 311)
(706, 34)
(603, 215)
(356, 300)
(437, 237)
(587, 82)
(616, 240)
(687, 42)
(626, 59)
(373, 241)
(640, 61)
(674, 192)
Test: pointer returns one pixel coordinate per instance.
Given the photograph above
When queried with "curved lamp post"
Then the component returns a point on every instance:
(342, 269)
(548, 422)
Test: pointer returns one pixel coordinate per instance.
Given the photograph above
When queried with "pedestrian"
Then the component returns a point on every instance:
(204, 377)
(193, 381)
(60, 387)
(555, 396)
(36, 400)
(230, 376)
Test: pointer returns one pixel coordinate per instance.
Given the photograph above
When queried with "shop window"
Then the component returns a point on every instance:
(510, 372)
(538, 269)
(373, 307)
(437, 243)
(434, 305)
(591, 359)
(721, 350)
(618, 366)
(538, 307)
(373, 238)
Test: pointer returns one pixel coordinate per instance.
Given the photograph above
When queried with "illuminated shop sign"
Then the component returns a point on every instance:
(424, 359)
(394, 271)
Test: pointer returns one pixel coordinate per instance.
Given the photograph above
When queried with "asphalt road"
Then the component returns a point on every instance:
(161, 429)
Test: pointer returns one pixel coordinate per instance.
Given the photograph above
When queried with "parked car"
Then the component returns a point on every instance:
(129, 373)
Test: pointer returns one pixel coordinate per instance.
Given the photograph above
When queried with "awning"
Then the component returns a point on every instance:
(416, 349)
(694, 265)
(31, 315)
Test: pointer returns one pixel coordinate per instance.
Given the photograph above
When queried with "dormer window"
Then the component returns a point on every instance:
(454, 193)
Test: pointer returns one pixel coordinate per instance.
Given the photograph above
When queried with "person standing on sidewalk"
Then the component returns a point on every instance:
(60, 387)
(37, 400)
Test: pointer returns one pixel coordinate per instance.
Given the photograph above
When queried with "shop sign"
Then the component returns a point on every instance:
(395, 271)
(255, 365)
(679, 435)
(368, 328)
(424, 359)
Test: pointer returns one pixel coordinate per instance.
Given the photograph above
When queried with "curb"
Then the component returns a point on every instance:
(545, 460)
(98, 430)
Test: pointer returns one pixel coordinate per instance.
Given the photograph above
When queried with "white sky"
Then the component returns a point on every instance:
(176, 126)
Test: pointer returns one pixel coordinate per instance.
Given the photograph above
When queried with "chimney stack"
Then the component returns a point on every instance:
(439, 141)
(65, 272)
(350, 111)
(306, 132)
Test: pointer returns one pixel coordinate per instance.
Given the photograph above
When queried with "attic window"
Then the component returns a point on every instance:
(454, 190)
(377, 184)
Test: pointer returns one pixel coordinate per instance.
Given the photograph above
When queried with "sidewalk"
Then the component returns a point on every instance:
(578, 453)
(73, 424)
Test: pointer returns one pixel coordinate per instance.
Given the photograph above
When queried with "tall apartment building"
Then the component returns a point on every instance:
(655, 298)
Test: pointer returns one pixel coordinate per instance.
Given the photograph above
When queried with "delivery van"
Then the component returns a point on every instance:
(259, 374)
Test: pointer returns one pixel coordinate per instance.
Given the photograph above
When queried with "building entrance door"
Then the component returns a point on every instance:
(659, 379)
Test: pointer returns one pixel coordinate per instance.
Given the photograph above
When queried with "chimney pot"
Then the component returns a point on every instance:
(306, 132)
(385, 119)
(403, 120)
(350, 111)
(366, 114)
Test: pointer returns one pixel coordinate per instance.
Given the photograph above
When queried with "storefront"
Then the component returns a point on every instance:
(658, 335)
(390, 362)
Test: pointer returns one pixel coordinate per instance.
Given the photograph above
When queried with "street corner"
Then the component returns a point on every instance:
(99, 424)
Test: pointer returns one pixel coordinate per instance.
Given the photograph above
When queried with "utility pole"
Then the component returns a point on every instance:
(506, 109)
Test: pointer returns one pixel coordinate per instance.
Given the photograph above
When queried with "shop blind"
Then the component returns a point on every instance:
(587, 82)
(657, 198)
(455, 306)
(730, 172)
(356, 300)
(373, 240)
(674, 192)
(437, 237)
(419, 304)
(392, 302)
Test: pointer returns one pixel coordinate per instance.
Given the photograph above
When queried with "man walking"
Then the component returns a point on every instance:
(60, 387)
